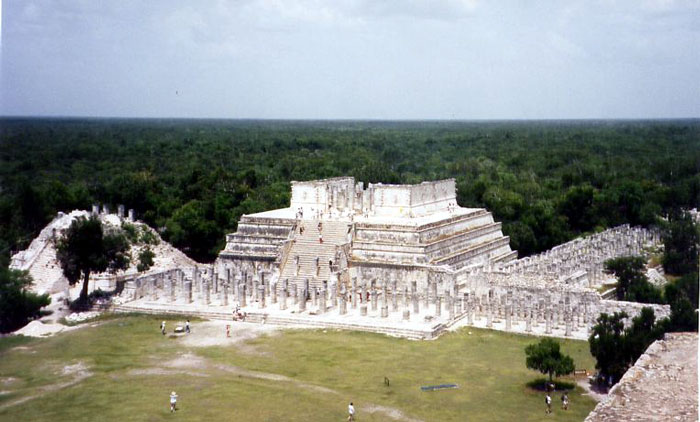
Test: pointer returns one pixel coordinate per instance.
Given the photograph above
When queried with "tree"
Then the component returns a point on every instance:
(606, 343)
(643, 331)
(632, 284)
(85, 248)
(145, 259)
(682, 295)
(546, 357)
(17, 304)
(616, 348)
(681, 244)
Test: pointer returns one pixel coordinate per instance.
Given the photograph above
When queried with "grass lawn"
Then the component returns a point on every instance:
(123, 370)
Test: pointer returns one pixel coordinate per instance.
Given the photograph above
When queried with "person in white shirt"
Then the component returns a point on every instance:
(351, 412)
(173, 402)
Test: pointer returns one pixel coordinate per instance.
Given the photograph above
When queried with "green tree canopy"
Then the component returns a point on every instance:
(607, 345)
(17, 304)
(681, 244)
(85, 248)
(616, 348)
(632, 283)
(546, 357)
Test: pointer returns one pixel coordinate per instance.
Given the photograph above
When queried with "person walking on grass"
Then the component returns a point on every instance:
(187, 326)
(162, 327)
(173, 402)
(548, 402)
(565, 401)
(351, 412)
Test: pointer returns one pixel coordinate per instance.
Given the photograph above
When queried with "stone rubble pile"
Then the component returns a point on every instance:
(81, 316)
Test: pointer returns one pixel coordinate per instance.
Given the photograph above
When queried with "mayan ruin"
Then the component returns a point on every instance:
(371, 211)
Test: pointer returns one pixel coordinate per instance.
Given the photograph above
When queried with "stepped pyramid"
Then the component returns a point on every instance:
(383, 233)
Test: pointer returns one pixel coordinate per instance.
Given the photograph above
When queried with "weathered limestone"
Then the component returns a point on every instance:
(343, 303)
(509, 317)
(187, 293)
(322, 303)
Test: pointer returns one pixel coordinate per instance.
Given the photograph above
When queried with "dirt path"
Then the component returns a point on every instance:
(595, 394)
(77, 371)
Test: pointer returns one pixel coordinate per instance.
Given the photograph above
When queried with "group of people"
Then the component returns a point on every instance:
(564, 402)
(187, 327)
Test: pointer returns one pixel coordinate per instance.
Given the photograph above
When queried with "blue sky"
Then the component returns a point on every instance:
(314, 59)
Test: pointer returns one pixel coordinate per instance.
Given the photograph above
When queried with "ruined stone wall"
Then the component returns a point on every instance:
(337, 194)
(412, 200)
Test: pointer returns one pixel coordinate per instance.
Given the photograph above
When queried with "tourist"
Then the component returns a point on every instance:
(565, 401)
(351, 412)
(320, 227)
(320, 238)
(187, 326)
(173, 402)
(548, 402)
(162, 327)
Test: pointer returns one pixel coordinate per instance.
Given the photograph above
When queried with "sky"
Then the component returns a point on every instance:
(351, 59)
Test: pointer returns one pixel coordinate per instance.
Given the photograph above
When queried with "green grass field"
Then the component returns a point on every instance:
(123, 370)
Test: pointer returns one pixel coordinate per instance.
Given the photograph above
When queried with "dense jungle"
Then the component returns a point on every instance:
(547, 181)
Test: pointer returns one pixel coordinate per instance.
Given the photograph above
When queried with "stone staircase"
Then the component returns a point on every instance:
(307, 248)
(47, 272)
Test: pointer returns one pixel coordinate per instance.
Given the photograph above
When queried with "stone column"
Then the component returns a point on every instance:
(343, 302)
(207, 294)
(394, 299)
(470, 310)
(322, 304)
(450, 305)
(171, 287)
(283, 302)
(302, 300)
(373, 295)
(414, 298)
(334, 295)
(188, 292)
(353, 293)
(433, 292)
(363, 298)
(242, 294)
(548, 322)
(426, 298)
(567, 321)
(295, 293)
(261, 296)
(273, 293)
(489, 315)
(438, 306)
(528, 319)
(385, 298)
(509, 322)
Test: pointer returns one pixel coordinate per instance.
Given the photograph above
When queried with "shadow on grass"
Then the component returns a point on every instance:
(542, 384)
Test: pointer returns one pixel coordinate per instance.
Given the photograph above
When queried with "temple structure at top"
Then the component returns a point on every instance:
(337, 230)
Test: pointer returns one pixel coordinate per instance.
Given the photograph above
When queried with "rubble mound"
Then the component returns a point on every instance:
(39, 259)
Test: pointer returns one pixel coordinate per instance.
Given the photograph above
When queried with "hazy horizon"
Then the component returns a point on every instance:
(441, 60)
